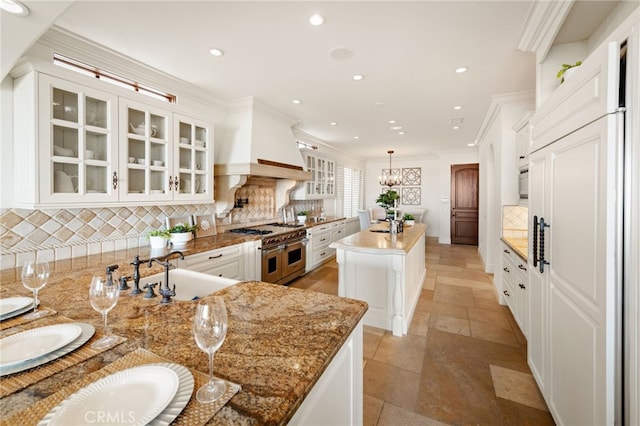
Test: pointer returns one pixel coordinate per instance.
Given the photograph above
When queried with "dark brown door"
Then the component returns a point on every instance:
(464, 204)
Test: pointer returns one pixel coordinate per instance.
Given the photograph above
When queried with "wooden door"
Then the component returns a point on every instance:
(464, 204)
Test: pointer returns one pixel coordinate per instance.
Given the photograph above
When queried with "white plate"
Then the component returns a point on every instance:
(31, 344)
(12, 304)
(133, 396)
(87, 332)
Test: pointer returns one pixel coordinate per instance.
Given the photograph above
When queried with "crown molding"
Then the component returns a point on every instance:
(541, 27)
(498, 102)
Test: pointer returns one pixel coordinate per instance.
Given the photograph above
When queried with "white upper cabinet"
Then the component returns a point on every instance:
(75, 145)
(322, 185)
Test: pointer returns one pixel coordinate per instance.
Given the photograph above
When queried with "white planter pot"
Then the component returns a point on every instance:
(157, 242)
(410, 222)
(302, 219)
(180, 239)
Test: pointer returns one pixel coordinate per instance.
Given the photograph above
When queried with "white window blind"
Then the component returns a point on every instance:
(349, 191)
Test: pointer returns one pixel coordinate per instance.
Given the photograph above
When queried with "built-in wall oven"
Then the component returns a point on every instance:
(283, 251)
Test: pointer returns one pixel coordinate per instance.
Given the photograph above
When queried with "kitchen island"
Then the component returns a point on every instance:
(279, 348)
(385, 270)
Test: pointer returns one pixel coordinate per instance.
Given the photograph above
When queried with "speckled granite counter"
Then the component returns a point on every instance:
(279, 343)
(382, 242)
(519, 245)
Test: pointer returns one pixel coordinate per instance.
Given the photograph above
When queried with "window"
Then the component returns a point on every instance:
(106, 76)
(304, 145)
(349, 190)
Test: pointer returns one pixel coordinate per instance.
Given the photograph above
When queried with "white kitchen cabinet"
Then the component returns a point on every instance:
(227, 262)
(574, 216)
(338, 230)
(523, 140)
(78, 146)
(323, 173)
(515, 283)
(318, 251)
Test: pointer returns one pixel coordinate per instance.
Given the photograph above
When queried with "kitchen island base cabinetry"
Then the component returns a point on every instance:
(337, 398)
(387, 274)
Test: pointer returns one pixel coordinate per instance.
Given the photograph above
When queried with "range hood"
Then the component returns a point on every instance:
(255, 141)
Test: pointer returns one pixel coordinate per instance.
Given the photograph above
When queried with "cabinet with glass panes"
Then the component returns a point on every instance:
(192, 159)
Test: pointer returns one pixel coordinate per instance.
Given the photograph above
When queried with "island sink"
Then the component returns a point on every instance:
(189, 284)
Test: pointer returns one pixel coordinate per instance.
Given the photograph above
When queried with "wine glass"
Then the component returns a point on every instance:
(103, 296)
(209, 330)
(34, 277)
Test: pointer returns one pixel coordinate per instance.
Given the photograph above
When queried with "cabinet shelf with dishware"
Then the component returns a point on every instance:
(322, 185)
(88, 147)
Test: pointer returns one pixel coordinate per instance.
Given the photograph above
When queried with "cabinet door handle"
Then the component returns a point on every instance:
(521, 157)
(322, 254)
(323, 239)
(522, 267)
(216, 256)
(114, 180)
(522, 286)
(506, 270)
(506, 293)
(170, 182)
(176, 182)
(543, 262)
(535, 241)
(506, 251)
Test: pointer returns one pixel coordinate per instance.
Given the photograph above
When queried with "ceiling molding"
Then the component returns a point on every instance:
(498, 102)
(542, 26)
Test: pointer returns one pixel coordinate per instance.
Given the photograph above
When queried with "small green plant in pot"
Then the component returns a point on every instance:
(566, 67)
(387, 200)
(409, 219)
(302, 216)
(180, 234)
(158, 238)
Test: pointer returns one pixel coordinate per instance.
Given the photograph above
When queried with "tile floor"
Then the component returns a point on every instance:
(463, 361)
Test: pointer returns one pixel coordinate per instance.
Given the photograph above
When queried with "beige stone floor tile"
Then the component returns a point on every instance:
(371, 410)
(325, 287)
(493, 332)
(373, 330)
(391, 384)
(451, 325)
(487, 303)
(462, 282)
(453, 294)
(449, 309)
(429, 283)
(419, 324)
(371, 342)
(396, 416)
(406, 352)
(497, 317)
(486, 293)
(517, 386)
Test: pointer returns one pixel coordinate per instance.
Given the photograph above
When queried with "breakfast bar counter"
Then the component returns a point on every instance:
(279, 343)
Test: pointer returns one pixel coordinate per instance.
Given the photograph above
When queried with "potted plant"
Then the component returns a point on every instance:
(180, 234)
(566, 70)
(409, 219)
(387, 200)
(302, 216)
(158, 238)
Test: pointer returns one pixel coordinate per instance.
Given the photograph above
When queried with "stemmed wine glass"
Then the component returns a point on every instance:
(209, 330)
(34, 277)
(103, 296)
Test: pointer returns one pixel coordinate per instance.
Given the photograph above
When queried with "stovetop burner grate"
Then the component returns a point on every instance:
(251, 231)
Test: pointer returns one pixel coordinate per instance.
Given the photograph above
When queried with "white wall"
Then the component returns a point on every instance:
(436, 186)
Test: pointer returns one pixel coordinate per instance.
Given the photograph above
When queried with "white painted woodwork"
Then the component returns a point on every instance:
(573, 309)
(337, 396)
(389, 280)
(227, 262)
(323, 182)
(515, 282)
(320, 236)
(523, 136)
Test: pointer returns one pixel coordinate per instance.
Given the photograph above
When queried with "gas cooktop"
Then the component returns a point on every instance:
(271, 228)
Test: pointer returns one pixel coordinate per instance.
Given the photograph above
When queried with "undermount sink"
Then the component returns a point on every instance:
(189, 284)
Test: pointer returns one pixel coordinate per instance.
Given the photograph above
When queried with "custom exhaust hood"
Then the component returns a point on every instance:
(255, 141)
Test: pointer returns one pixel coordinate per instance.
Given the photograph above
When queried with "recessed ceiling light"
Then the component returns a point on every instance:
(395, 127)
(296, 101)
(392, 121)
(457, 107)
(460, 70)
(456, 127)
(15, 7)
(216, 52)
(358, 77)
(316, 20)
(356, 137)
(379, 104)
(401, 133)
(471, 144)
(333, 123)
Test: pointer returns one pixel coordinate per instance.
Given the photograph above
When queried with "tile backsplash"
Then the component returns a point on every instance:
(515, 221)
(57, 234)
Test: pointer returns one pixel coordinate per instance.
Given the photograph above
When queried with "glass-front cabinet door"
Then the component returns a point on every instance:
(331, 178)
(78, 154)
(145, 154)
(311, 167)
(193, 162)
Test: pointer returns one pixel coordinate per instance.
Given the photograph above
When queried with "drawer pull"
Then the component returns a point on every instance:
(522, 267)
(216, 257)
(322, 254)
(323, 239)
(506, 293)
(522, 286)
(506, 270)
(506, 251)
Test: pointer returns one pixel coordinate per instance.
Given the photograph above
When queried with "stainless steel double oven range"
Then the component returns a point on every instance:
(283, 250)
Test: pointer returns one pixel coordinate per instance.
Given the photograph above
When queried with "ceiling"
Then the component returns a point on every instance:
(406, 51)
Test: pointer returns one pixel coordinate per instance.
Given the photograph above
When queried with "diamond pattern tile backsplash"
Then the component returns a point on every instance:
(58, 234)
(515, 221)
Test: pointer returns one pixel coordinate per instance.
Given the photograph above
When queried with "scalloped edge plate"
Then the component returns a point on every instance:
(35, 343)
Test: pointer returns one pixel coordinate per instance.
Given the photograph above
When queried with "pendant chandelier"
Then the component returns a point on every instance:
(392, 178)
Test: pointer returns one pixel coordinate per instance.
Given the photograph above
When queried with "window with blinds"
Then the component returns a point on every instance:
(349, 191)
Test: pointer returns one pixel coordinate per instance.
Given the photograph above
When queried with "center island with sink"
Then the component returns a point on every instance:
(386, 270)
(296, 354)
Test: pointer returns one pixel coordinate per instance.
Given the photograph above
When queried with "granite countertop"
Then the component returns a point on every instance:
(520, 246)
(279, 343)
(369, 241)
